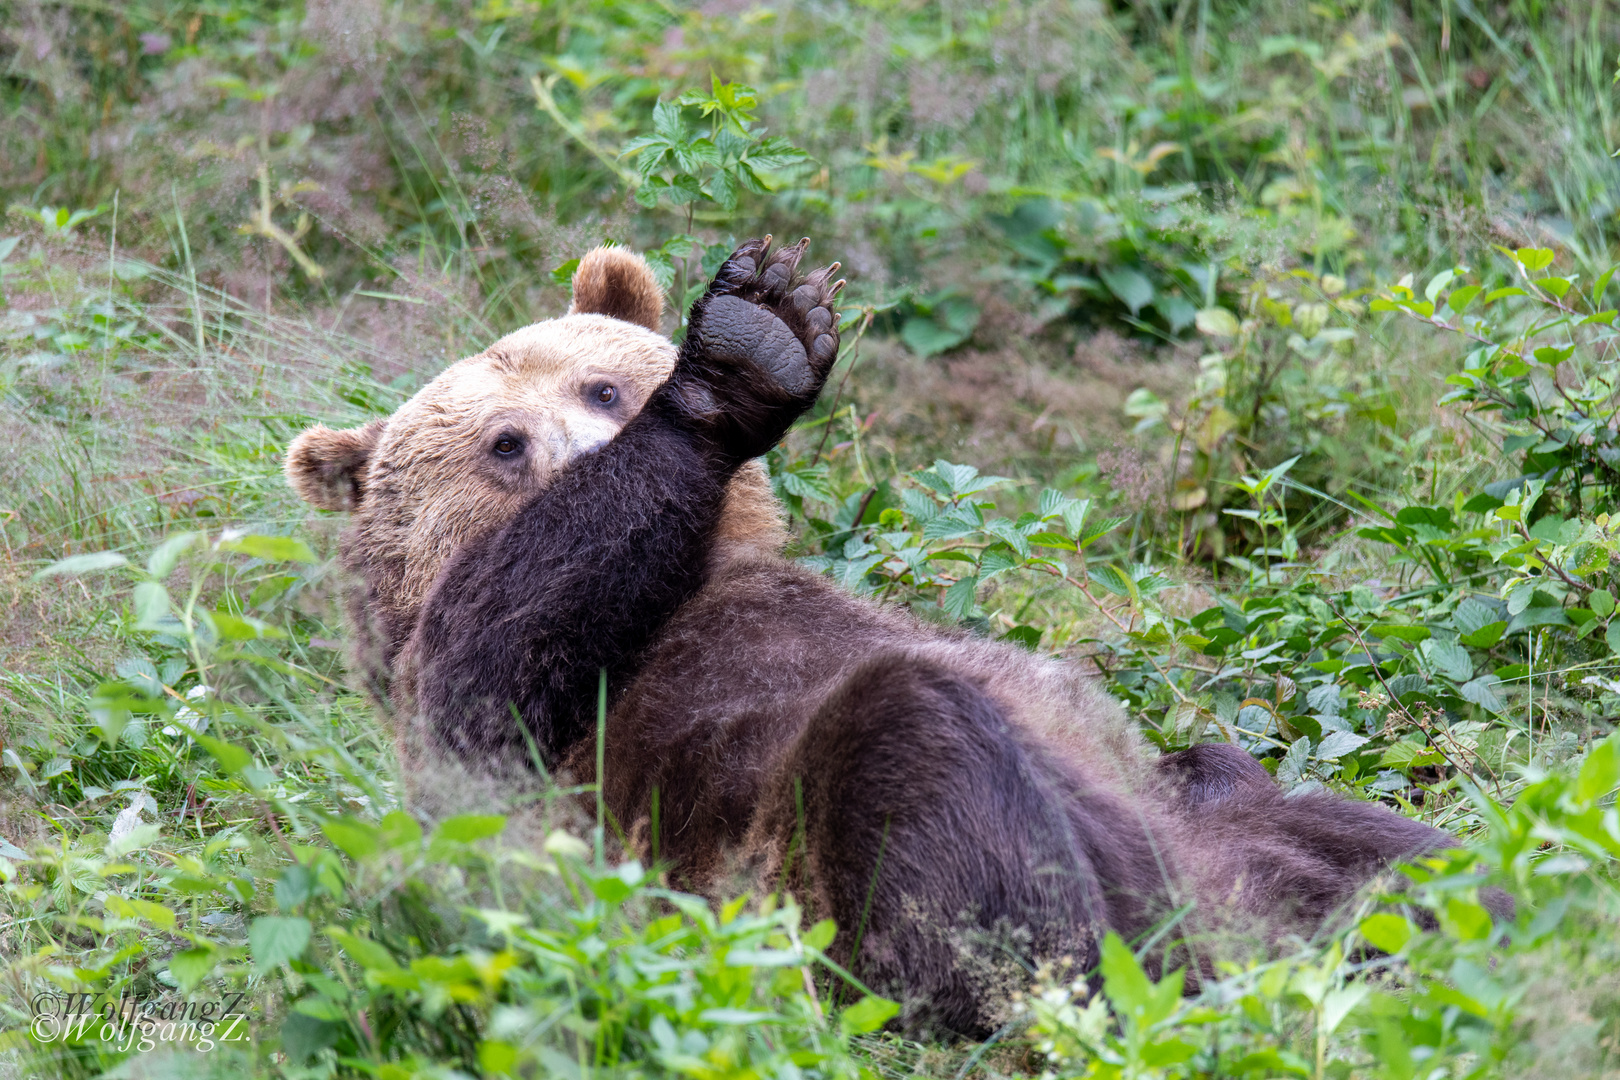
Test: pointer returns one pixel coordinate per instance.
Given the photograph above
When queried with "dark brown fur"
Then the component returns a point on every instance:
(961, 807)
(792, 733)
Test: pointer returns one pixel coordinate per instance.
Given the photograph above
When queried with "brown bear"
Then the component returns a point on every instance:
(585, 497)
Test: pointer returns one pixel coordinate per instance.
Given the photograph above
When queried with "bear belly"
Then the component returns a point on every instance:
(740, 671)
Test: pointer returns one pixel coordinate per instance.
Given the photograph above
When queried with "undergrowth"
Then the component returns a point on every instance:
(1259, 357)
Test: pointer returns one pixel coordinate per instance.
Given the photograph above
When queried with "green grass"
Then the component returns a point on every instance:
(1166, 234)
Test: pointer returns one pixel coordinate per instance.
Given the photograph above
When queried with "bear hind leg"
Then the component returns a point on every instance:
(909, 812)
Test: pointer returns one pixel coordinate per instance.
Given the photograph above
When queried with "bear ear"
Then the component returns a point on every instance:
(325, 466)
(616, 282)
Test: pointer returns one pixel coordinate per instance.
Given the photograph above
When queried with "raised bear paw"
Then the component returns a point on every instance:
(759, 344)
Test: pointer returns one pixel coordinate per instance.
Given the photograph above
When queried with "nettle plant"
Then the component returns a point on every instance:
(683, 166)
(1540, 384)
(935, 542)
(280, 860)
(1419, 1002)
(1276, 383)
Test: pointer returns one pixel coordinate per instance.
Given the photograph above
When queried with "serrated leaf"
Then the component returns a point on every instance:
(1449, 659)
(1053, 540)
(1098, 529)
(1110, 578)
(1400, 631)
(1482, 692)
(1339, 743)
(961, 598)
(276, 939)
(1003, 530)
(1485, 636)
(1295, 764)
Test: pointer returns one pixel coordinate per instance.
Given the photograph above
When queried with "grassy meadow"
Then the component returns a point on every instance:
(1259, 356)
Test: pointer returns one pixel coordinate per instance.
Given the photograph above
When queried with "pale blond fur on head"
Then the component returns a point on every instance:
(421, 483)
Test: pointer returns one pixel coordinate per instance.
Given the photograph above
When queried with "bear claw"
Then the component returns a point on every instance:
(763, 338)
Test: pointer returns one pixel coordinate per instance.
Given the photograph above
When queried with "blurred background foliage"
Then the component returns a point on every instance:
(1263, 353)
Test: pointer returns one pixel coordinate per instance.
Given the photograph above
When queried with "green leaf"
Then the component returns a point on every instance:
(399, 829)
(1407, 754)
(369, 954)
(276, 939)
(1449, 659)
(1465, 920)
(270, 548)
(1602, 603)
(1482, 692)
(189, 967)
(1339, 743)
(1485, 636)
(241, 627)
(1133, 290)
(1600, 772)
(961, 598)
(467, 828)
(1387, 932)
(1400, 631)
(867, 1015)
(87, 563)
(1100, 528)
(1611, 634)
(1053, 540)
(564, 274)
(1217, 322)
(821, 935)
(1459, 299)
(1532, 617)
(1533, 259)
(739, 1017)
(1438, 282)
(232, 758)
(162, 561)
(151, 603)
(926, 338)
(1296, 763)
(1110, 578)
(355, 838)
(156, 914)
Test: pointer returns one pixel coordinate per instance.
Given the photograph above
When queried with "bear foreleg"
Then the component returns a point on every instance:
(520, 622)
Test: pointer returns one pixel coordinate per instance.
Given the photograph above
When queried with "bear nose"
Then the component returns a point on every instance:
(576, 439)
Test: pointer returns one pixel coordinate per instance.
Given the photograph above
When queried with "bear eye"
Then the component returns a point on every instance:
(607, 395)
(507, 445)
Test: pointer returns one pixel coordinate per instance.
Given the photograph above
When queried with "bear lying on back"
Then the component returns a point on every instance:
(582, 496)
